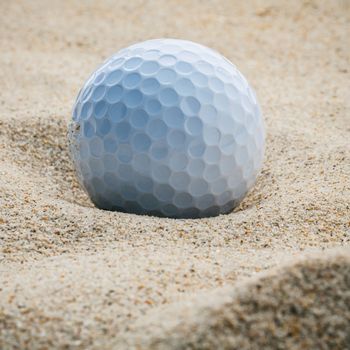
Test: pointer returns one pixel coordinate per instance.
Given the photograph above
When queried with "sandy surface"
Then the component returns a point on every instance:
(73, 276)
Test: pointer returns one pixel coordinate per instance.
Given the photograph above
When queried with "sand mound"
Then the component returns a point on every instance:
(305, 305)
(302, 305)
(73, 276)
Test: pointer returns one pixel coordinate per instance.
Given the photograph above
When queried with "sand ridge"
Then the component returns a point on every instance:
(302, 304)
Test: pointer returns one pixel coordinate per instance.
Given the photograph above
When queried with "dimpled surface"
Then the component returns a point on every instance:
(169, 128)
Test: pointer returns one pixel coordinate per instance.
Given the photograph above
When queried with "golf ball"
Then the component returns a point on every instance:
(169, 128)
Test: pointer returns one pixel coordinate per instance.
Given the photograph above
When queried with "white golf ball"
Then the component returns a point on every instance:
(169, 128)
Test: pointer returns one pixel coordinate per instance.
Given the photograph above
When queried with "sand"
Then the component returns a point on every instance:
(274, 274)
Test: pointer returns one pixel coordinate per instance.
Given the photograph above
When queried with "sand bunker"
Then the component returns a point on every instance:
(73, 276)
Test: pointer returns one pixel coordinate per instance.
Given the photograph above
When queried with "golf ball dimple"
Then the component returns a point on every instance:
(169, 128)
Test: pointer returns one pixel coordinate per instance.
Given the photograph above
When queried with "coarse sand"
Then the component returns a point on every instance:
(273, 274)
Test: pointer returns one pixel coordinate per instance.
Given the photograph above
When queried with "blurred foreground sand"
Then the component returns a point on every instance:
(73, 276)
